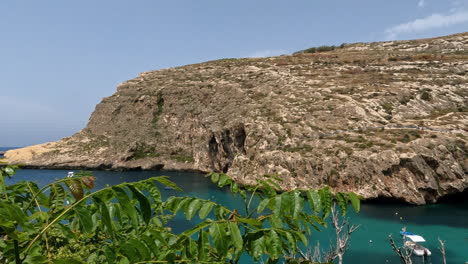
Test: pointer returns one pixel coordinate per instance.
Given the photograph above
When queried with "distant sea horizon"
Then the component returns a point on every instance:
(8, 148)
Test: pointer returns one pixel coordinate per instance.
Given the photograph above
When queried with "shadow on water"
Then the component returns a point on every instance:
(449, 211)
(457, 198)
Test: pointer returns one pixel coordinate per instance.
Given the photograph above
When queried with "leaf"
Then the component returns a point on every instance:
(355, 201)
(66, 261)
(65, 230)
(180, 202)
(234, 187)
(105, 217)
(115, 211)
(123, 260)
(190, 249)
(40, 196)
(342, 201)
(158, 235)
(2, 182)
(220, 239)
(126, 205)
(250, 221)
(149, 241)
(287, 203)
(84, 216)
(152, 189)
(275, 221)
(243, 194)
(314, 200)
(221, 212)
(203, 245)
(130, 251)
(326, 197)
(166, 182)
(292, 223)
(275, 245)
(267, 189)
(318, 220)
(278, 202)
(192, 208)
(9, 171)
(297, 203)
(223, 180)
(143, 251)
(110, 255)
(197, 228)
(11, 215)
(205, 210)
(274, 183)
(88, 181)
(106, 195)
(258, 247)
(300, 236)
(56, 198)
(75, 188)
(145, 206)
(214, 177)
(171, 203)
(274, 177)
(235, 235)
(291, 240)
(263, 204)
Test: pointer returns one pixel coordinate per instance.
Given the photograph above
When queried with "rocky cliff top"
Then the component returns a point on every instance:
(386, 119)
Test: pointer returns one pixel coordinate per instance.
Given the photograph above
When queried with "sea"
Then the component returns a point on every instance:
(447, 220)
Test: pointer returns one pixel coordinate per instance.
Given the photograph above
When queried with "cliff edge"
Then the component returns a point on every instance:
(385, 119)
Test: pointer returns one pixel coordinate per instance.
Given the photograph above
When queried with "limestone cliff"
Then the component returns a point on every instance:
(386, 119)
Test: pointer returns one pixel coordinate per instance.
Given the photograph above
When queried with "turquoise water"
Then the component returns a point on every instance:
(377, 220)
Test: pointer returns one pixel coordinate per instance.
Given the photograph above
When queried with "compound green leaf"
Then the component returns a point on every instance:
(235, 235)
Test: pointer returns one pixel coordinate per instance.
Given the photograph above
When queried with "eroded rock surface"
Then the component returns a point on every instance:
(385, 119)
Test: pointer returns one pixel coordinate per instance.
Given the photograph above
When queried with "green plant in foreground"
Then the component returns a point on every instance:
(64, 222)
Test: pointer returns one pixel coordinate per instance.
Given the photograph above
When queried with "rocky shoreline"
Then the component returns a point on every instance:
(386, 119)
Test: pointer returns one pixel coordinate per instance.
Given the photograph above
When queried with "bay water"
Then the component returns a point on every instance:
(369, 244)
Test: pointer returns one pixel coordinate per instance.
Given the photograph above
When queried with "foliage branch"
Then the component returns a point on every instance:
(64, 222)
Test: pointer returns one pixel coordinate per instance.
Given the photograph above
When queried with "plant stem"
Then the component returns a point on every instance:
(17, 255)
(40, 210)
(247, 206)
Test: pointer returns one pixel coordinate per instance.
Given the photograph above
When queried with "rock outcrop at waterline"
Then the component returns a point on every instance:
(385, 119)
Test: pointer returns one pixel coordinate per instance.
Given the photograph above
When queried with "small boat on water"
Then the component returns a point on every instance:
(412, 242)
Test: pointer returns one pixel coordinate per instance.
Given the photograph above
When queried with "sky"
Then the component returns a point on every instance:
(58, 59)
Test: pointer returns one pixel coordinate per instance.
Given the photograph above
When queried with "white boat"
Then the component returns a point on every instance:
(412, 241)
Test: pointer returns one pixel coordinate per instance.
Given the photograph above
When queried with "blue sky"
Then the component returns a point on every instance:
(60, 58)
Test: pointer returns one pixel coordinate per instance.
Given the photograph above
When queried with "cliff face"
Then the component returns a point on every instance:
(385, 119)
